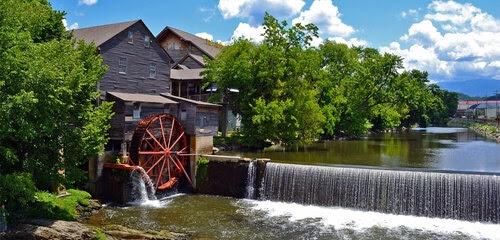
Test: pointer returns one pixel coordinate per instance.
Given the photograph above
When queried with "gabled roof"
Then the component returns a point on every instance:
(197, 58)
(181, 99)
(186, 74)
(101, 34)
(145, 98)
(206, 46)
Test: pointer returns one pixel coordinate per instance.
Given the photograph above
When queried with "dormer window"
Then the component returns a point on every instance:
(147, 41)
(130, 37)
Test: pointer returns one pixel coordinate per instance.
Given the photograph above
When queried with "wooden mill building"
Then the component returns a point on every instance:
(139, 82)
(189, 53)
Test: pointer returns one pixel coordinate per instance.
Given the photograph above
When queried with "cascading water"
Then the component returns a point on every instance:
(143, 188)
(251, 177)
(473, 197)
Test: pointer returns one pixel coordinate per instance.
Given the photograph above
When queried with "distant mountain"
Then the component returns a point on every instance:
(475, 88)
(462, 96)
(494, 97)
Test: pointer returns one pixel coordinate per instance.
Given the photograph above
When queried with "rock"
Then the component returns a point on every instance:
(84, 212)
(121, 232)
(48, 229)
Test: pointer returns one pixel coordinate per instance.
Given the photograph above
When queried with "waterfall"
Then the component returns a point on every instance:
(143, 188)
(473, 197)
(251, 176)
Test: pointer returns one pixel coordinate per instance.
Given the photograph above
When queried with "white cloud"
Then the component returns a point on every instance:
(454, 41)
(254, 10)
(410, 13)
(87, 2)
(70, 27)
(352, 42)
(327, 17)
(205, 35)
(245, 30)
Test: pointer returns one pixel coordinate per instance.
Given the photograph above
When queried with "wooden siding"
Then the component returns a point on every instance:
(207, 121)
(184, 47)
(191, 63)
(196, 120)
(139, 58)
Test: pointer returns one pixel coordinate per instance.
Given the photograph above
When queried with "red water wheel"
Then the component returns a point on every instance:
(159, 145)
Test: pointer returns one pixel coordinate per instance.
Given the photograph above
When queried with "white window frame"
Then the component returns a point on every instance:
(122, 63)
(153, 70)
(130, 37)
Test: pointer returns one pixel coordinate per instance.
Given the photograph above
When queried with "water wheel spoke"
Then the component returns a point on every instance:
(154, 138)
(163, 133)
(183, 170)
(156, 163)
(160, 174)
(171, 131)
(177, 140)
(151, 152)
(180, 152)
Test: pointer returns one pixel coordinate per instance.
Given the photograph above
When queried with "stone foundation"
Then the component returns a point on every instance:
(227, 175)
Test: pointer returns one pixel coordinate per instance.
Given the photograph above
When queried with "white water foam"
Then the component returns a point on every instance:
(343, 218)
(156, 203)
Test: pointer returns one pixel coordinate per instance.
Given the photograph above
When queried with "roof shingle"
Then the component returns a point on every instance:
(101, 34)
(207, 46)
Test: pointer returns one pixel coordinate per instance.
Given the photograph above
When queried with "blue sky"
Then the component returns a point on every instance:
(452, 40)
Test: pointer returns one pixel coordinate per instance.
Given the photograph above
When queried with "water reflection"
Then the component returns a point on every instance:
(432, 148)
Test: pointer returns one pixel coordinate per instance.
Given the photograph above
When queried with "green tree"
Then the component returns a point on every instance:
(277, 100)
(49, 119)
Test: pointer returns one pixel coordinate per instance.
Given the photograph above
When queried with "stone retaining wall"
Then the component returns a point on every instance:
(227, 175)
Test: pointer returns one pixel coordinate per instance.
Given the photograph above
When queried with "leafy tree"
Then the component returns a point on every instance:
(277, 99)
(49, 120)
(292, 93)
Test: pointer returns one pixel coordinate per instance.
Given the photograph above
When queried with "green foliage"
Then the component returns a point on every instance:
(100, 235)
(201, 169)
(293, 93)
(16, 191)
(275, 78)
(49, 119)
(50, 206)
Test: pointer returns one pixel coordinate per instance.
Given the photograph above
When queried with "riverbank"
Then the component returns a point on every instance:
(51, 216)
(488, 130)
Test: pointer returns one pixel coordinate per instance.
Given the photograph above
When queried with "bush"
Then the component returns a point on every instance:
(50, 206)
(17, 191)
(201, 170)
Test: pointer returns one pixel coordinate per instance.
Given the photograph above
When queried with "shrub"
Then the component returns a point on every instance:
(17, 191)
(201, 170)
(50, 206)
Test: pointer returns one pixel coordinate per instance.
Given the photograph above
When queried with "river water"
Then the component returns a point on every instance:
(455, 149)
(213, 217)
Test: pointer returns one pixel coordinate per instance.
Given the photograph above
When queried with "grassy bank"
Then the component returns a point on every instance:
(488, 130)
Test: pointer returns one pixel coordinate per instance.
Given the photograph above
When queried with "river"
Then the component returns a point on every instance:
(457, 149)
(213, 217)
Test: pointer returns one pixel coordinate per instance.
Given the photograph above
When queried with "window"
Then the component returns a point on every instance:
(152, 70)
(122, 65)
(183, 115)
(137, 111)
(147, 41)
(130, 37)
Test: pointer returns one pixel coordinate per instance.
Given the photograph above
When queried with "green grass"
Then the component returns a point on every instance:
(99, 235)
(49, 206)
